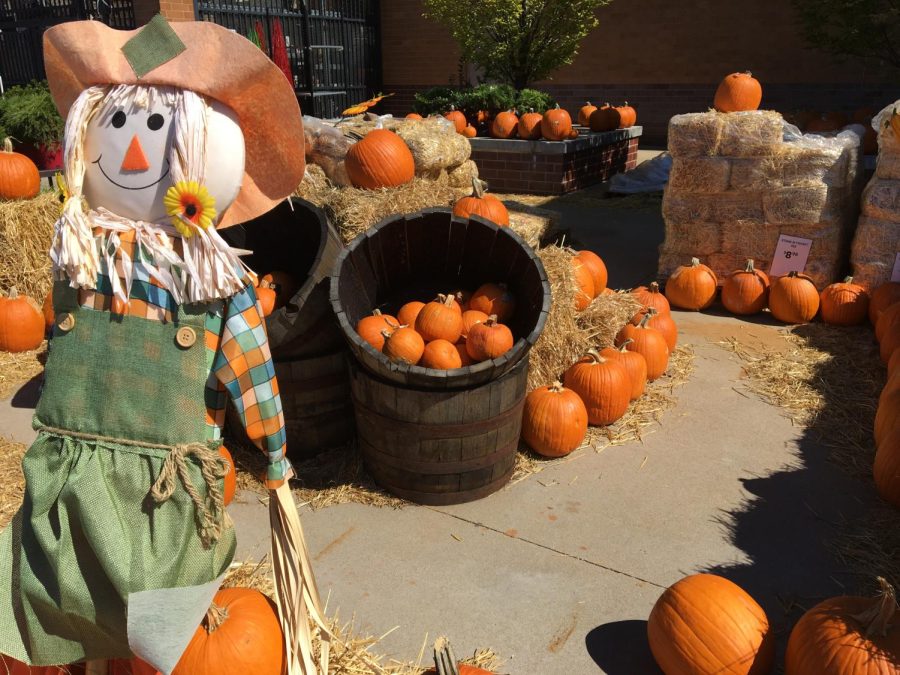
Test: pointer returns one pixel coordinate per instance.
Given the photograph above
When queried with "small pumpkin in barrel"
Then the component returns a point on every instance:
(480, 203)
(489, 339)
(554, 420)
(403, 345)
(495, 299)
(440, 355)
(440, 319)
(371, 328)
(409, 313)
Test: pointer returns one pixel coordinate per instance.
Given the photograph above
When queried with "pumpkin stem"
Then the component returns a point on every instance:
(595, 355)
(876, 619)
(7, 144)
(624, 346)
(645, 320)
(792, 274)
(215, 617)
(556, 387)
(848, 280)
(749, 267)
(695, 262)
(477, 188)
(654, 287)
(13, 293)
(651, 311)
(446, 299)
(491, 320)
(376, 312)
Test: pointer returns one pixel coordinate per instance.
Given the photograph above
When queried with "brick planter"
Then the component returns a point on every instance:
(555, 167)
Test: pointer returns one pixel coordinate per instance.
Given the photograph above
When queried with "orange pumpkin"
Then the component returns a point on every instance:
(458, 119)
(9, 666)
(464, 358)
(692, 287)
(596, 267)
(19, 177)
(650, 296)
(21, 323)
(890, 341)
(284, 284)
(603, 384)
(380, 159)
(584, 284)
(230, 477)
(494, 299)
(737, 92)
(584, 114)
(649, 343)
(556, 124)
(371, 328)
(706, 624)
(746, 291)
(886, 469)
(440, 355)
(793, 298)
(530, 126)
(847, 634)
(241, 634)
(440, 319)
(470, 132)
(413, 116)
(627, 116)
(488, 340)
(266, 297)
(480, 203)
(404, 345)
(844, 304)
(634, 364)
(47, 311)
(887, 417)
(664, 323)
(470, 317)
(894, 364)
(554, 420)
(573, 134)
(505, 125)
(409, 312)
(605, 118)
(883, 297)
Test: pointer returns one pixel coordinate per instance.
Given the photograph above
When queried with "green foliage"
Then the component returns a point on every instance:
(28, 114)
(863, 28)
(436, 101)
(517, 41)
(529, 99)
(491, 97)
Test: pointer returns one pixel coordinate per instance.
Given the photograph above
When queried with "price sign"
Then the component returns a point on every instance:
(895, 275)
(791, 255)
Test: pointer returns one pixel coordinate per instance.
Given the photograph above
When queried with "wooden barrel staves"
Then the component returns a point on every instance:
(439, 447)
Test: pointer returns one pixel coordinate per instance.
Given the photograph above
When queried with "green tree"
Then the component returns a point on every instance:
(863, 28)
(517, 41)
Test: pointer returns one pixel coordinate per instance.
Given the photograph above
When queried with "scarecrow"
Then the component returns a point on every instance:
(172, 132)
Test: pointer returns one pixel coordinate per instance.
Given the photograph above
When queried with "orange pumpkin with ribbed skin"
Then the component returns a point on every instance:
(371, 328)
(627, 116)
(894, 364)
(230, 477)
(47, 311)
(480, 203)
(9, 666)
(284, 284)
(584, 114)
(887, 416)
(488, 340)
(692, 287)
(847, 635)
(584, 284)
(650, 296)
(793, 298)
(494, 299)
(409, 312)
(505, 125)
(440, 355)
(634, 364)
(530, 126)
(19, 177)
(470, 317)
(380, 159)
(266, 296)
(458, 119)
(440, 319)
(554, 420)
(413, 116)
(131, 667)
(844, 304)
(603, 384)
(470, 132)
(881, 298)
(746, 291)
(21, 323)
(890, 341)
(596, 267)
(404, 345)
(706, 624)
(737, 92)
(886, 469)
(605, 118)
(556, 124)
(464, 357)
(241, 634)
(649, 343)
(664, 323)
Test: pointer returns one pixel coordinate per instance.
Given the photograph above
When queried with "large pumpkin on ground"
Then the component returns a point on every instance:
(380, 159)
(706, 624)
(650, 296)
(844, 304)
(738, 92)
(793, 298)
(21, 323)
(664, 323)
(554, 421)
(649, 343)
(886, 469)
(19, 177)
(692, 286)
(881, 298)
(584, 284)
(480, 203)
(634, 363)
(596, 267)
(746, 291)
(603, 384)
(847, 635)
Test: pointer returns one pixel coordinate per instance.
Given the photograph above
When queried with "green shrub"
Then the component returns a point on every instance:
(533, 99)
(494, 98)
(28, 114)
(436, 101)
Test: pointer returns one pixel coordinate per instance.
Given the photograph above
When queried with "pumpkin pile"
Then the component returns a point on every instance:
(609, 118)
(454, 330)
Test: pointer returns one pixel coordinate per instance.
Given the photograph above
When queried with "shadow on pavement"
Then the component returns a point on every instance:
(621, 648)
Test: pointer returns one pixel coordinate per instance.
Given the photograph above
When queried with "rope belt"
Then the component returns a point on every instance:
(209, 512)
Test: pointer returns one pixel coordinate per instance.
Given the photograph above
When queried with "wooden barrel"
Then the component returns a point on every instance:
(416, 256)
(295, 237)
(439, 447)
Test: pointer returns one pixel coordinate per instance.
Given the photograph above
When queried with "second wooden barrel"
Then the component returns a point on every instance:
(439, 447)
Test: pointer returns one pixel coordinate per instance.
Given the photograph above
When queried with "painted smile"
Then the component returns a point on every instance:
(125, 187)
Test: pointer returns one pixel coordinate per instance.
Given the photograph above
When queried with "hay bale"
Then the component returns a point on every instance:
(669, 261)
(685, 208)
(315, 186)
(874, 249)
(700, 174)
(755, 174)
(26, 230)
(532, 227)
(692, 239)
(695, 134)
(888, 143)
(807, 204)
(12, 480)
(728, 206)
(751, 133)
(881, 200)
(888, 167)
(749, 239)
(462, 176)
(812, 163)
(433, 145)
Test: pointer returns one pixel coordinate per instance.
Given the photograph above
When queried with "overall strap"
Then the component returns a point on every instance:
(65, 298)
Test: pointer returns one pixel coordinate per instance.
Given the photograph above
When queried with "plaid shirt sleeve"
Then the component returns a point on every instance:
(243, 365)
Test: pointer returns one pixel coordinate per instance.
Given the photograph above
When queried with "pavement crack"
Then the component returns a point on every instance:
(517, 537)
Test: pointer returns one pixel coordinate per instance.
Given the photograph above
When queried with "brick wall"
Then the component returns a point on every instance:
(173, 10)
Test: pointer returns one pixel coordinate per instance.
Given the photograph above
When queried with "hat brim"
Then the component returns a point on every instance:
(217, 63)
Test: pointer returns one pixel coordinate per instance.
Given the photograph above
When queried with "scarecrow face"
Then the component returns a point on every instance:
(127, 151)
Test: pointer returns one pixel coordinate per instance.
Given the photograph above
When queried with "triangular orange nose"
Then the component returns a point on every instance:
(135, 159)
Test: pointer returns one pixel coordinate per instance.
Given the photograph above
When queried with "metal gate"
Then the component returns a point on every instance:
(330, 47)
(22, 26)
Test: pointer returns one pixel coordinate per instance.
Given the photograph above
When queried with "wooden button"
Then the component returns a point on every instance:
(185, 337)
(65, 322)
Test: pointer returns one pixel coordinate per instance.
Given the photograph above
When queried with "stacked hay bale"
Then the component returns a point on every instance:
(738, 182)
(877, 239)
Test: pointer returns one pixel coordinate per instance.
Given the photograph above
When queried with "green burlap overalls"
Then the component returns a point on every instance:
(83, 562)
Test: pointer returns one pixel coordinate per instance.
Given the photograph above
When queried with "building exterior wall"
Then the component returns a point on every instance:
(173, 10)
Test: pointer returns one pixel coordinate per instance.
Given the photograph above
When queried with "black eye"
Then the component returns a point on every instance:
(155, 122)
(118, 120)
